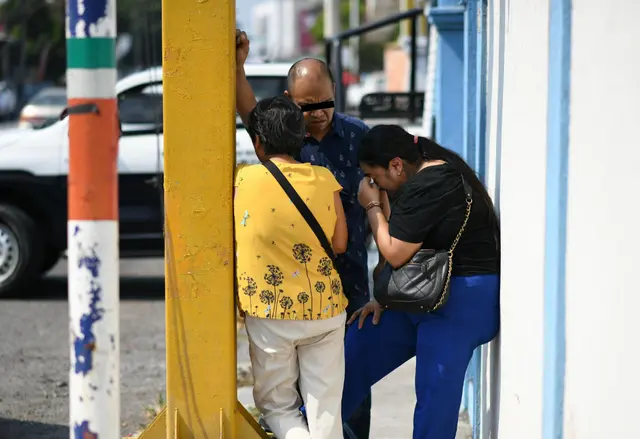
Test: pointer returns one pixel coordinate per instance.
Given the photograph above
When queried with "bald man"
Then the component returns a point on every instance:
(332, 141)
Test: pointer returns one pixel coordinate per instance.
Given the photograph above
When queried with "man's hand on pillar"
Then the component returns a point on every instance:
(242, 47)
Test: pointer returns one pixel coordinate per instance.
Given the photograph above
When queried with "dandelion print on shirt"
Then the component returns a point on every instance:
(283, 271)
(249, 289)
(302, 254)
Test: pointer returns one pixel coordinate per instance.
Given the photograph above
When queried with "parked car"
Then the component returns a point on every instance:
(34, 165)
(44, 108)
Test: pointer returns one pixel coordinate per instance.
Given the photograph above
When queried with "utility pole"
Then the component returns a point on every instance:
(354, 22)
(331, 18)
(94, 384)
(331, 11)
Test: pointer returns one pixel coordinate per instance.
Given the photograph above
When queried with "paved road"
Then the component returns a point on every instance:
(34, 354)
(34, 361)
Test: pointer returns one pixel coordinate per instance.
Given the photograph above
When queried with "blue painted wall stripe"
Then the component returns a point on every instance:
(451, 97)
(448, 17)
(556, 217)
(474, 129)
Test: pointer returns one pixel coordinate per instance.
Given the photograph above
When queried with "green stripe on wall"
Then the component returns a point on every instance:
(91, 53)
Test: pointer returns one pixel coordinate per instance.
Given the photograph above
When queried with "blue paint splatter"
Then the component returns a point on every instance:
(76, 231)
(85, 343)
(91, 263)
(88, 11)
(81, 431)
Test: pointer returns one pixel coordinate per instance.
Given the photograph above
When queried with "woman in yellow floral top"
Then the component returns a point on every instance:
(288, 290)
(283, 271)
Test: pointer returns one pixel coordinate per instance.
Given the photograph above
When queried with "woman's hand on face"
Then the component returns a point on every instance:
(372, 307)
(368, 192)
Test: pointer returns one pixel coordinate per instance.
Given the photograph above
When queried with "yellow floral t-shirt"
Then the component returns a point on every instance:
(282, 271)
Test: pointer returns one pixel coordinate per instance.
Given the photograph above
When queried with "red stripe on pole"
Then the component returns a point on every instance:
(93, 161)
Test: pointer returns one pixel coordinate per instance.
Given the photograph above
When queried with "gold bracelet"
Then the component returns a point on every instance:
(373, 204)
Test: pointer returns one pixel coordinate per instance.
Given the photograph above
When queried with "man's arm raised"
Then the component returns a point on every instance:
(245, 99)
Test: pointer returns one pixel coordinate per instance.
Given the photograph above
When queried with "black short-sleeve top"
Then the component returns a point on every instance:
(430, 209)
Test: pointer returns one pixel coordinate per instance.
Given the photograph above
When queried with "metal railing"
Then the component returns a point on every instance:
(334, 45)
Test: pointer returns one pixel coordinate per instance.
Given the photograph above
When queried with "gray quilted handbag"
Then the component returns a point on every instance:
(423, 283)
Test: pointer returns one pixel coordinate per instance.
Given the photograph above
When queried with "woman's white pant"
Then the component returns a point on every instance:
(305, 352)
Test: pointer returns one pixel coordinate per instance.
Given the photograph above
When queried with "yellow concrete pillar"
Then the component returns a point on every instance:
(199, 156)
(199, 160)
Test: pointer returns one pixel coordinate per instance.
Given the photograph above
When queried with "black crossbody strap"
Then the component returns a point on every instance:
(302, 208)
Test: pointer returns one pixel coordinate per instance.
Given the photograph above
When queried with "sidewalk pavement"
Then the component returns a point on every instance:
(393, 400)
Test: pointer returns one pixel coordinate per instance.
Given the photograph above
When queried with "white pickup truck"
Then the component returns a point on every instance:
(34, 165)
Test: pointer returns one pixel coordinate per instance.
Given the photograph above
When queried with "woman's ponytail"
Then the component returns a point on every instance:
(430, 150)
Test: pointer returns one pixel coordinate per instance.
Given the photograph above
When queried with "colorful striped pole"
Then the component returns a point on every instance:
(93, 220)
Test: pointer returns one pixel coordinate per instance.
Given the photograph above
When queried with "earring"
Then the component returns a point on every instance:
(398, 174)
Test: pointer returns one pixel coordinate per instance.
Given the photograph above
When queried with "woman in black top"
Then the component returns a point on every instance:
(428, 209)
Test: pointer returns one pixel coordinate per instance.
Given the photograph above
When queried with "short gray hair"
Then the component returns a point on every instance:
(279, 125)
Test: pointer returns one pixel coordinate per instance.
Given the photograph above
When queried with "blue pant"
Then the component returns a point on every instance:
(360, 420)
(442, 342)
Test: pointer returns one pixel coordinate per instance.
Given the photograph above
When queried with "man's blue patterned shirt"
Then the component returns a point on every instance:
(338, 152)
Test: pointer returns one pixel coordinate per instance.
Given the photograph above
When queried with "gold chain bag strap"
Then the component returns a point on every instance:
(423, 284)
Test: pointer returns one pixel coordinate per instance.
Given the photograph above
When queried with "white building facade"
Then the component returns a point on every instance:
(541, 97)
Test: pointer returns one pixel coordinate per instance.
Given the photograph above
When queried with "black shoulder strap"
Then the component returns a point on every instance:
(302, 208)
(467, 188)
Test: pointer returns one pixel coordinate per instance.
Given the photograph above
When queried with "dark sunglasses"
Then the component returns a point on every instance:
(317, 106)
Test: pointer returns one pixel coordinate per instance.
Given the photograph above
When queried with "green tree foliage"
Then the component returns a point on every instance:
(38, 28)
(43, 19)
(40, 24)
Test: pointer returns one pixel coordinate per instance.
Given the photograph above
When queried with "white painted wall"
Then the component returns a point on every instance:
(603, 241)
(516, 113)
